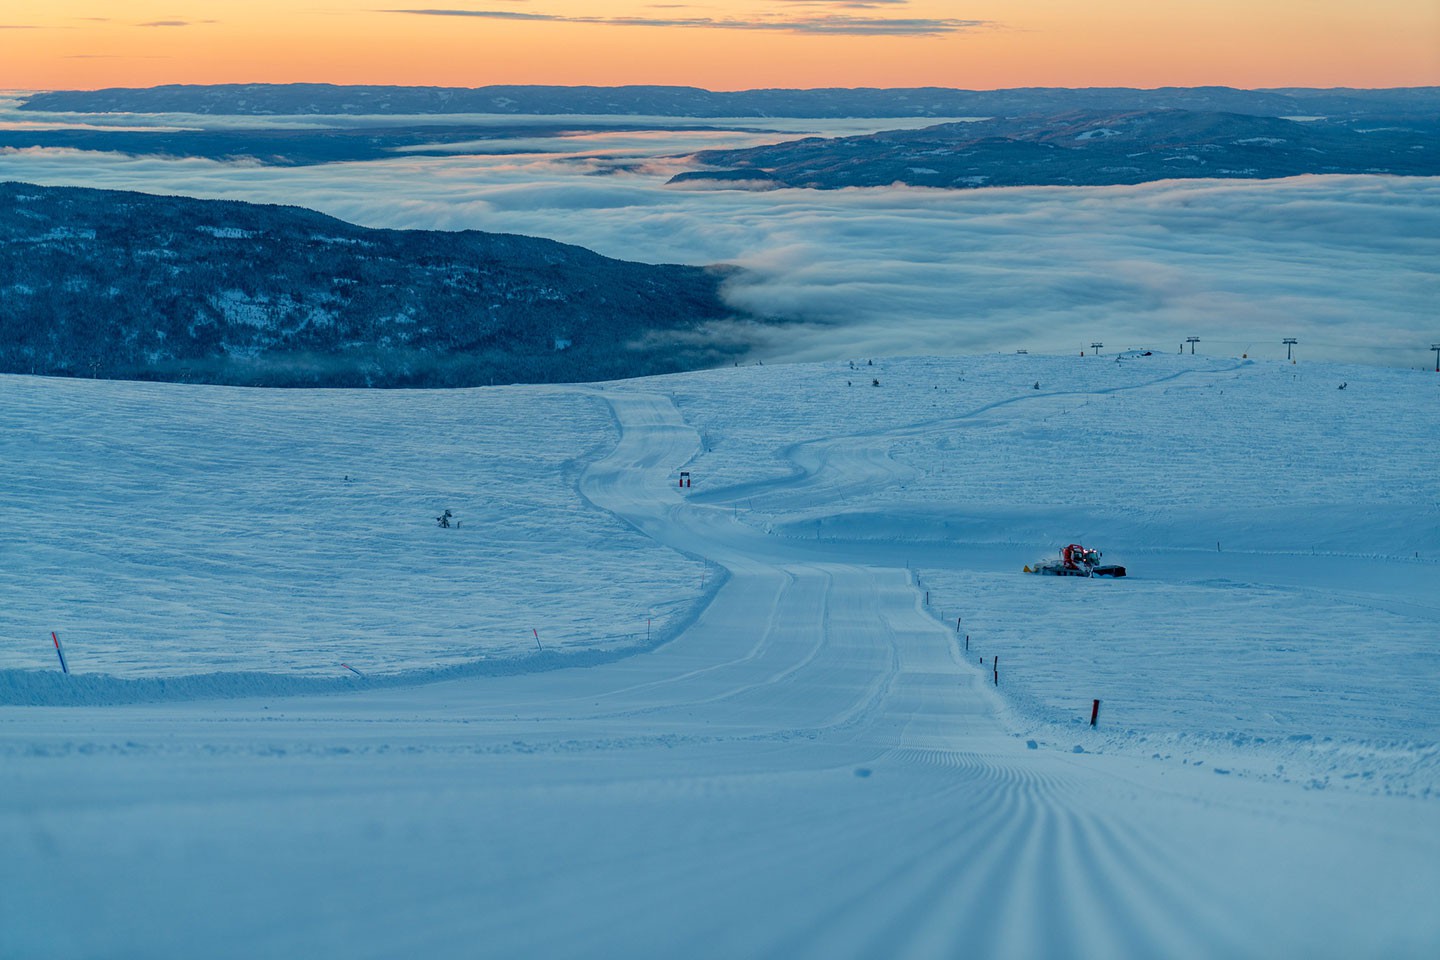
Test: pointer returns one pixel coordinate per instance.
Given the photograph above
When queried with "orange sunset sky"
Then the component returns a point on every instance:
(724, 45)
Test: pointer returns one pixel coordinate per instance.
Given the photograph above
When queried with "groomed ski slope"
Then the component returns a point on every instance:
(812, 766)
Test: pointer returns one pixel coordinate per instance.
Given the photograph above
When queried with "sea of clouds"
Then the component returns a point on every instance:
(1350, 265)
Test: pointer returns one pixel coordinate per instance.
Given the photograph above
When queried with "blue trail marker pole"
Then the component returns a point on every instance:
(60, 652)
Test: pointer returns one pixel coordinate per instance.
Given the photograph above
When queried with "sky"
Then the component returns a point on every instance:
(723, 45)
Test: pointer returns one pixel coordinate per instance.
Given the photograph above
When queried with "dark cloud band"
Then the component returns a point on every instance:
(830, 24)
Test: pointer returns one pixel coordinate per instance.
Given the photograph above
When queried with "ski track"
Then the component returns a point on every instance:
(835, 468)
(832, 470)
(810, 769)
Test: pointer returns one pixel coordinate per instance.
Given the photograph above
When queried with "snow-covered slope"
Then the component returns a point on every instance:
(170, 531)
(812, 763)
(1281, 534)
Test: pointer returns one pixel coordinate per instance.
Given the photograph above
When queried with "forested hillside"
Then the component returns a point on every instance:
(1086, 149)
(128, 285)
(323, 98)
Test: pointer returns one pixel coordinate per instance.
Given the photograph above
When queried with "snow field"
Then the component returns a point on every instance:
(170, 531)
(1280, 532)
(810, 767)
(1288, 683)
(1170, 449)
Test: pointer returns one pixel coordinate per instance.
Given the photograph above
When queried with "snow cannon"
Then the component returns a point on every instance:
(1077, 561)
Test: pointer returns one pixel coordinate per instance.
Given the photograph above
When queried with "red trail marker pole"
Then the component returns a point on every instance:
(60, 652)
(1094, 712)
(352, 670)
(538, 645)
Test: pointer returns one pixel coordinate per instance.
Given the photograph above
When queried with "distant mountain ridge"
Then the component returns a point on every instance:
(1085, 149)
(674, 101)
(133, 286)
(288, 146)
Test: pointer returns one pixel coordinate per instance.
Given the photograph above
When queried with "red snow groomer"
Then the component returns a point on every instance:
(1077, 561)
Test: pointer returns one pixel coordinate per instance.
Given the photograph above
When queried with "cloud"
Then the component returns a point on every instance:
(1345, 263)
(71, 125)
(174, 23)
(831, 24)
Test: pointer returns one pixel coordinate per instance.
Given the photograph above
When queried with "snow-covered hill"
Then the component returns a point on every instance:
(170, 531)
(806, 758)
